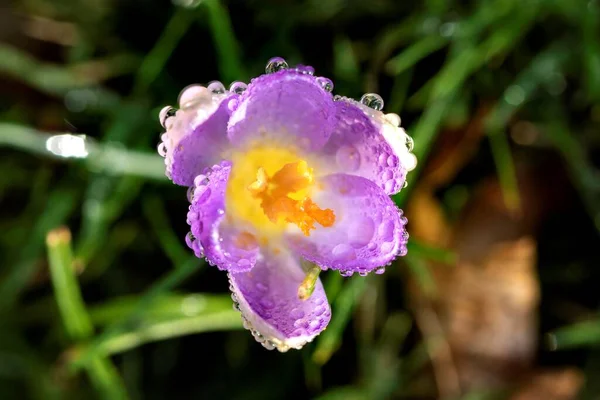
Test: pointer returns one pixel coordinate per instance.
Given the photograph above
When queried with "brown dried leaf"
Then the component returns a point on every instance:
(489, 314)
(552, 385)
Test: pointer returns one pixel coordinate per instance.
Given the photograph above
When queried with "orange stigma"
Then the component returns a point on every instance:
(280, 194)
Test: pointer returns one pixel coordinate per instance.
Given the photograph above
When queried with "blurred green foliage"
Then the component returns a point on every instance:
(123, 310)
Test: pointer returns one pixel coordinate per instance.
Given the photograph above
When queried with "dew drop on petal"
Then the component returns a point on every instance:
(410, 143)
(343, 251)
(216, 87)
(162, 149)
(371, 246)
(348, 158)
(266, 303)
(380, 270)
(189, 239)
(361, 232)
(388, 186)
(326, 83)
(386, 231)
(393, 119)
(392, 161)
(238, 87)
(305, 69)
(191, 95)
(200, 180)
(166, 113)
(403, 251)
(387, 247)
(261, 287)
(243, 263)
(201, 194)
(276, 64)
(314, 325)
(190, 194)
(372, 100)
(297, 313)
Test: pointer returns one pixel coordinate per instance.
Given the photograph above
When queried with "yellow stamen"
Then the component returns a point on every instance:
(278, 195)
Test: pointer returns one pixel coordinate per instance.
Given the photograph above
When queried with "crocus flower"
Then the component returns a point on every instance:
(285, 178)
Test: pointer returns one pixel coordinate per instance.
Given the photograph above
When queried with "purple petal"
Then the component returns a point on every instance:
(224, 244)
(284, 108)
(367, 143)
(368, 231)
(268, 299)
(196, 135)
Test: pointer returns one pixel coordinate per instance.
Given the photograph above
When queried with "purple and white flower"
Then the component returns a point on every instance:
(285, 178)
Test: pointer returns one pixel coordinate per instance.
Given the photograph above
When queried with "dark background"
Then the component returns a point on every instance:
(497, 298)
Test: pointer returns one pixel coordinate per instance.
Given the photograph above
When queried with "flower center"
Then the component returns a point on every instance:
(270, 187)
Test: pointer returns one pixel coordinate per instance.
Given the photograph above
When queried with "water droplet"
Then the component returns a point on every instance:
(380, 270)
(403, 220)
(358, 127)
(348, 158)
(337, 97)
(266, 303)
(192, 216)
(382, 160)
(371, 246)
(410, 143)
(216, 87)
(201, 194)
(393, 119)
(389, 185)
(403, 251)
(319, 310)
(319, 301)
(388, 174)
(238, 87)
(386, 231)
(297, 313)
(326, 83)
(313, 325)
(305, 69)
(372, 100)
(189, 239)
(363, 273)
(192, 95)
(166, 113)
(343, 251)
(162, 149)
(392, 161)
(361, 232)
(276, 64)
(405, 185)
(190, 194)
(298, 332)
(387, 247)
(346, 273)
(261, 287)
(243, 263)
(200, 180)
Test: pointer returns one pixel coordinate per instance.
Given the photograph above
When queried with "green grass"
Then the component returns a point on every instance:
(122, 309)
